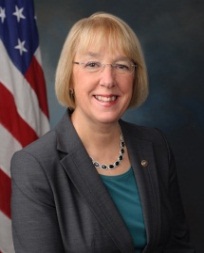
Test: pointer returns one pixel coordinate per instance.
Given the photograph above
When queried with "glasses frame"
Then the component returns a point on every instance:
(113, 66)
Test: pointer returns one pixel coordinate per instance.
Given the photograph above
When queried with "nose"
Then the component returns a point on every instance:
(107, 76)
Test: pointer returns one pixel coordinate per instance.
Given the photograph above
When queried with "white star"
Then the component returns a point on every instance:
(19, 13)
(2, 14)
(21, 47)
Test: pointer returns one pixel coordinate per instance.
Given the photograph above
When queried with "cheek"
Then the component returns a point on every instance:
(77, 78)
(127, 85)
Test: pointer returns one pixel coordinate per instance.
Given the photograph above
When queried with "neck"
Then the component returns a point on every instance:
(102, 143)
(114, 164)
(100, 135)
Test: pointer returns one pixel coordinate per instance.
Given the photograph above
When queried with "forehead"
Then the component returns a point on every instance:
(101, 54)
(102, 40)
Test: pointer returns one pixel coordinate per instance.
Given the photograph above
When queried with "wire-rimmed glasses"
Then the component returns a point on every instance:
(121, 67)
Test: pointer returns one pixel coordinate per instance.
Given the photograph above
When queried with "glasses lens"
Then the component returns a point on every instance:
(121, 67)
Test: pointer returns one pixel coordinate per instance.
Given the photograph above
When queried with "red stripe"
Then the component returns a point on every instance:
(10, 118)
(35, 77)
(5, 194)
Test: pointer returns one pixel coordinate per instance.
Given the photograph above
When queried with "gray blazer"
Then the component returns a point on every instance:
(59, 203)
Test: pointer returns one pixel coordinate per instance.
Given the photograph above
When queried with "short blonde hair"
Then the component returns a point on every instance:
(95, 29)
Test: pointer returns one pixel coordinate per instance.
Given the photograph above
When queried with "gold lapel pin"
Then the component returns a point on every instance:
(144, 163)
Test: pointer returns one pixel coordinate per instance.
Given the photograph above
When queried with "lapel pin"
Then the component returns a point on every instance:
(144, 163)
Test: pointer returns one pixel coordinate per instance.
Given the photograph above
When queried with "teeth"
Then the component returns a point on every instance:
(106, 99)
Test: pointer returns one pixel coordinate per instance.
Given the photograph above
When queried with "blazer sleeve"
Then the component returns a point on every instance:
(34, 220)
(179, 241)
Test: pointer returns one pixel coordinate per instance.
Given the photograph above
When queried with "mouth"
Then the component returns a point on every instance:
(106, 98)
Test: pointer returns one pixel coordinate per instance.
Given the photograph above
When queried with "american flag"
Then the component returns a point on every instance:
(23, 102)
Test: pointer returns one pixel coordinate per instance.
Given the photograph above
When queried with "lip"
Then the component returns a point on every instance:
(106, 98)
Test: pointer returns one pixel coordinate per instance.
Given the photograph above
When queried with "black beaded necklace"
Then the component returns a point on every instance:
(116, 163)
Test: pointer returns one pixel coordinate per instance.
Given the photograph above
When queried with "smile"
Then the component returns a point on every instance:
(105, 98)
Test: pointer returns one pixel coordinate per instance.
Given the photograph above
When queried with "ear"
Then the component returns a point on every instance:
(71, 92)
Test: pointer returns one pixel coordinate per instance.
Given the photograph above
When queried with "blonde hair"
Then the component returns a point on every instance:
(95, 29)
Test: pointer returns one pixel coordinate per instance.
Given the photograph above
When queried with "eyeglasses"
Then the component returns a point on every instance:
(122, 67)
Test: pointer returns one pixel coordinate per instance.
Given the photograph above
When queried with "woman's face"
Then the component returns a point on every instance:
(102, 94)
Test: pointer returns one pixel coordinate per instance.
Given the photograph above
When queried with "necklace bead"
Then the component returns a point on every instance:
(116, 163)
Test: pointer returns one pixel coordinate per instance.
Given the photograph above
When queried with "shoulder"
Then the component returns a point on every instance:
(142, 132)
(34, 157)
(142, 135)
(32, 169)
(41, 146)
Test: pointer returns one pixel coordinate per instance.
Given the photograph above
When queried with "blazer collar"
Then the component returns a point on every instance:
(81, 171)
(141, 154)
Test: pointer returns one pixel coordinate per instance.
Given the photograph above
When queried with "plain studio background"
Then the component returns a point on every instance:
(171, 33)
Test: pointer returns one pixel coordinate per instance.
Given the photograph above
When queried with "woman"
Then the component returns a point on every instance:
(96, 183)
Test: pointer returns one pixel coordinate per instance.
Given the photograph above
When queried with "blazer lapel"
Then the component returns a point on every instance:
(141, 155)
(81, 171)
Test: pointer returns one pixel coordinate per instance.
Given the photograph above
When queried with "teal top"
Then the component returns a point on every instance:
(124, 192)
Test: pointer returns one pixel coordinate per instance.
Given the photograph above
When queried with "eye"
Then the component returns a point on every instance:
(92, 65)
(122, 66)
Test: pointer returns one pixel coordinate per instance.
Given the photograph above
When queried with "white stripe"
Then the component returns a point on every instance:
(25, 98)
(6, 243)
(8, 146)
(38, 56)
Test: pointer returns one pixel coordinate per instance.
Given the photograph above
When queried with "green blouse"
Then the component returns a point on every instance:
(124, 192)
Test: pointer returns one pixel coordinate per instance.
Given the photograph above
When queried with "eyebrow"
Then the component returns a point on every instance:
(92, 54)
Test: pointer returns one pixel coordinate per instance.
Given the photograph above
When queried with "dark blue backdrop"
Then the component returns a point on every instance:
(171, 33)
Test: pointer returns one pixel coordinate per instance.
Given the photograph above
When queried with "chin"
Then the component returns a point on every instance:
(108, 120)
(108, 116)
